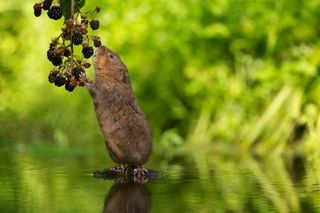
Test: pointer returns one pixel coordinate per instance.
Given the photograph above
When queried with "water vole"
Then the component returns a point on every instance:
(128, 137)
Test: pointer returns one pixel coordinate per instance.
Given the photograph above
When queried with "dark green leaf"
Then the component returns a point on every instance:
(66, 7)
(80, 3)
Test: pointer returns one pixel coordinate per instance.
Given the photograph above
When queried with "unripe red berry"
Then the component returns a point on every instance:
(69, 23)
(37, 9)
(83, 30)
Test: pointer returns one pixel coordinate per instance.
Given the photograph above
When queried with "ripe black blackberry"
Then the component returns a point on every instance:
(97, 43)
(37, 9)
(53, 45)
(55, 12)
(53, 75)
(87, 52)
(76, 72)
(56, 60)
(46, 4)
(94, 24)
(59, 81)
(52, 78)
(70, 85)
(77, 38)
(50, 55)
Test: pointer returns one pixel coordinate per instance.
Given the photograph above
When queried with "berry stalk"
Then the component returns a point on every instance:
(71, 45)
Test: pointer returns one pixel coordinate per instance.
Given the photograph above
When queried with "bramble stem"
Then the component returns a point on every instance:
(71, 44)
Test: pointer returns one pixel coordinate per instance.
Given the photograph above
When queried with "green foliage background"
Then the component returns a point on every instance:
(210, 75)
(213, 73)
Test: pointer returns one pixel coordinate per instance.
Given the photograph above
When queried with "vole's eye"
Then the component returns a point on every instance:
(110, 55)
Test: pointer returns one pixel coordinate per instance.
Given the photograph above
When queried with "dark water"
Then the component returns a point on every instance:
(32, 181)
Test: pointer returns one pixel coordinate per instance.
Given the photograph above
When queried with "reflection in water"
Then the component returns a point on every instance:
(128, 197)
(210, 183)
(128, 194)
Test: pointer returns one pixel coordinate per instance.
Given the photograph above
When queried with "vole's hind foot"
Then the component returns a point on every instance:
(140, 172)
(83, 80)
(118, 168)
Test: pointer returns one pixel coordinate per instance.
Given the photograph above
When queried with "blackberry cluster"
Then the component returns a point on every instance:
(69, 78)
(56, 78)
(68, 66)
(54, 12)
(55, 53)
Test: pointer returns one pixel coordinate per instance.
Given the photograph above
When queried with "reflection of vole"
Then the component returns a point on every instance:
(128, 197)
(128, 137)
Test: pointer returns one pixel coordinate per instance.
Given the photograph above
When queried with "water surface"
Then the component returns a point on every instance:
(63, 182)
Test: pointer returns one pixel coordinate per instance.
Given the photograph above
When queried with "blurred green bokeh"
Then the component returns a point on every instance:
(214, 73)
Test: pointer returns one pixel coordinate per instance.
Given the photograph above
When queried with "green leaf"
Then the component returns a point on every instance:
(80, 3)
(66, 7)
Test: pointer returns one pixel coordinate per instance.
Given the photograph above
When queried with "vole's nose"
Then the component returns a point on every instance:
(102, 50)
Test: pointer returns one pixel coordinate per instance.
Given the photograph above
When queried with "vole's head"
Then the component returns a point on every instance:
(105, 60)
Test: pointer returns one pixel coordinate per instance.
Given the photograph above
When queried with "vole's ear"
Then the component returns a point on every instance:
(124, 76)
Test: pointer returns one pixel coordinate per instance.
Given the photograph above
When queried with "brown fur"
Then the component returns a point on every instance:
(128, 137)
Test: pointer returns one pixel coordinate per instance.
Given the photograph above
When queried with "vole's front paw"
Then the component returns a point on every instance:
(83, 80)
